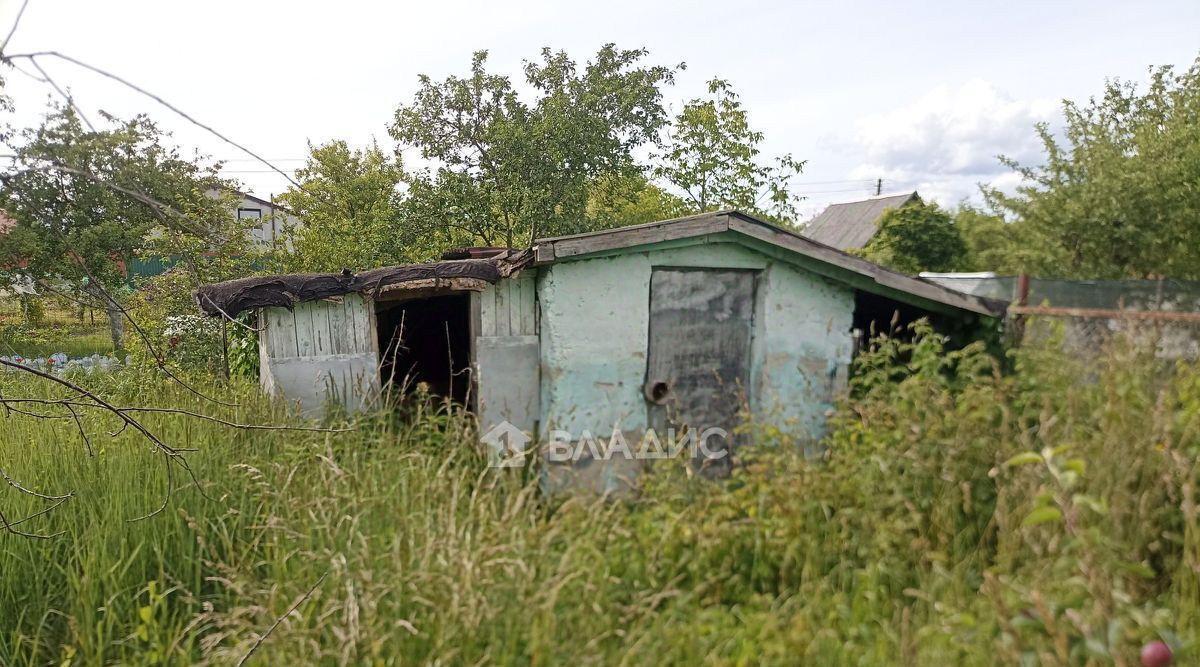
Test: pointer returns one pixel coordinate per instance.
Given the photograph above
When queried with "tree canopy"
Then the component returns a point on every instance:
(917, 237)
(713, 158)
(505, 170)
(1117, 194)
(350, 204)
(87, 201)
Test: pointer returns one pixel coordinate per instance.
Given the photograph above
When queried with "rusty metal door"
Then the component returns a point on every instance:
(698, 361)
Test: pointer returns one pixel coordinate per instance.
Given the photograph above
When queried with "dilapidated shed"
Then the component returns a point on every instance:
(684, 321)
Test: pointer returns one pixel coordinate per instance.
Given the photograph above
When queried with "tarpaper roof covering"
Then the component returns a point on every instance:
(234, 296)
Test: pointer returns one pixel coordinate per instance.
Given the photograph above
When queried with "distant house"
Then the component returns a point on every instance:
(270, 224)
(851, 225)
(274, 218)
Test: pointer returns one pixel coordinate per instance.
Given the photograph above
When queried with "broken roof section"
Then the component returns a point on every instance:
(764, 236)
(851, 225)
(234, 296)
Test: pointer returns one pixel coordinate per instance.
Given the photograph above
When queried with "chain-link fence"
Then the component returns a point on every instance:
(1090, 331)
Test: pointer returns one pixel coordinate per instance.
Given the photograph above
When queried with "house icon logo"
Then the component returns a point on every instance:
(506, 445)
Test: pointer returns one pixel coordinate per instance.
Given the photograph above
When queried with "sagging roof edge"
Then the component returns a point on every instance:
(232, 297)
(560, 248)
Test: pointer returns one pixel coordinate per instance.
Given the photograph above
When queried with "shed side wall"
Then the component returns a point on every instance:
(506, 354)
(321, 351)
(594, 336)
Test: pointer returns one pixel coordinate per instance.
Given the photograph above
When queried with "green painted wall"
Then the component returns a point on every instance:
(594, 333)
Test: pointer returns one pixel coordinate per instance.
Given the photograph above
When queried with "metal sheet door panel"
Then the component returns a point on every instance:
(698, 361)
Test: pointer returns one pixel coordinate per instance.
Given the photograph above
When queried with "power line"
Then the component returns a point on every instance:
(274, 159)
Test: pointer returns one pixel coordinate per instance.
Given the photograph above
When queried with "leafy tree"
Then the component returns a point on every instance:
(991, 241)
(350, 204)
(1117, 194)
(917, 237)
(619, 201)
(712, 157)
(505, 170)
(87, 201)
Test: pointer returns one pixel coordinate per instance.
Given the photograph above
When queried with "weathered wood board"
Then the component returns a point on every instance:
(321, 351)
(507, 354)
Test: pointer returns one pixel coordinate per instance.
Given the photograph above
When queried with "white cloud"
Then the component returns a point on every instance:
(947, 142)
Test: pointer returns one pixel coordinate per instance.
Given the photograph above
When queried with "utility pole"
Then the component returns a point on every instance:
(878, 186)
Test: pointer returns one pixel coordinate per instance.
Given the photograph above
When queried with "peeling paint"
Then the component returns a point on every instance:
(595, 328)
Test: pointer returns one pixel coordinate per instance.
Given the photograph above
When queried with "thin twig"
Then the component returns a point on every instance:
(50, 164)
(159, 359)
(166, 496)
(82, 433)
(279, 620)
(129, 421)
(45, 510)
(62, 93)
(156, 98)
(13, 30)
(17, 485)
(177, 411)
(9, 527)
(230, 317)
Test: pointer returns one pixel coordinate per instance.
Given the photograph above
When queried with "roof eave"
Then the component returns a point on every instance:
(550, 250)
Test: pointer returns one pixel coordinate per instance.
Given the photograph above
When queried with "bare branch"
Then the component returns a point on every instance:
(166, 496)
(13, 30)
(82, 433)
(16, 485)
(279, 620)
(9, 527)
(156, 98)
(174, 411)
(62, 93)
(55, 165)
(129, 421)
(230, 317)
(46, 510)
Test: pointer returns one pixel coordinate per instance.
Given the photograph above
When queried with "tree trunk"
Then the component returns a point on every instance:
(116, 323)
(116, 318)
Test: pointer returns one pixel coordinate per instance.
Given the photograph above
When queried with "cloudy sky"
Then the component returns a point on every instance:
(921, 94)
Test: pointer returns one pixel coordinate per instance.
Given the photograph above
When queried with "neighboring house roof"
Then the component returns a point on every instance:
(213, 192)
(851, 225)
(261, 201)
(815, 256)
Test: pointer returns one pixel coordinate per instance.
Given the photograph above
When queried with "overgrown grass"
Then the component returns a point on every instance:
(74, 344)
(56, 330)
(960, 515)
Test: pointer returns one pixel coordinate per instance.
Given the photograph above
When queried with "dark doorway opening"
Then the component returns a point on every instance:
(426, 342)
(876, 315)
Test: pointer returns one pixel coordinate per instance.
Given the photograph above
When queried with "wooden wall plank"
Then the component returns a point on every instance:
(516, 309)
(336, 327)
(503, 328)
(487, 311)
(305, 340)
(349, 308)
(528, 304)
